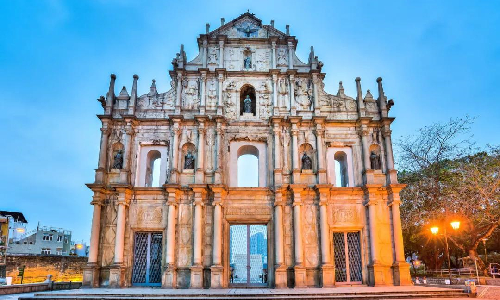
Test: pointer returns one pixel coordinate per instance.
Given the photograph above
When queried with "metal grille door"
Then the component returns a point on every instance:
(348, 265)
(248, 255)
(147, 258)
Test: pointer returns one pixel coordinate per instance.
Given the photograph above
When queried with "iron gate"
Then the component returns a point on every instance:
(347, 250)
(147, 259)
(248, 255)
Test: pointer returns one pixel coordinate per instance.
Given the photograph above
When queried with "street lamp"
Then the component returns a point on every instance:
(434, 230)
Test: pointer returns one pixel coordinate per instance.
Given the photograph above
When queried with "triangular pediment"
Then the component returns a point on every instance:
(246, 26)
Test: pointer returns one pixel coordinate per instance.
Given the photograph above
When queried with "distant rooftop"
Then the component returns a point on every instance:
(17, 216)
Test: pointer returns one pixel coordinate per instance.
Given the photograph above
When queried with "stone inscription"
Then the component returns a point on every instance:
(238, 211)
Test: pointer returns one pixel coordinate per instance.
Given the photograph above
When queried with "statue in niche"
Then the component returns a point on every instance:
(306, 162)
(375, 161)
(118, 160)
(247, 105)
(189, 161)
(247, 62)
(282, 59)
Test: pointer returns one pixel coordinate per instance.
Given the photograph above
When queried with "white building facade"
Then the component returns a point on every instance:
(167, 205)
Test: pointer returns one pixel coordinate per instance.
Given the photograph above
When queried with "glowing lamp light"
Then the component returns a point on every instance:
(20, 230)
(434, 230)
(455, 224)
(79, 246)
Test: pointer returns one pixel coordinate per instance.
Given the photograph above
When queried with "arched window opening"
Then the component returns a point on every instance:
(153, 169)
(247, 100)
(341, 177)
(248, 166)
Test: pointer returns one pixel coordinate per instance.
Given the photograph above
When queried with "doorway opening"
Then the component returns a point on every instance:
(147, 259)
(248, 255)
(348, 266)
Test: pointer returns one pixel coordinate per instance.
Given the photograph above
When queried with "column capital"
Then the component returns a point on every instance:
(386, 132)
(105, 129)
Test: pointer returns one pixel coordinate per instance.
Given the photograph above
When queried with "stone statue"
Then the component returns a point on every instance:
(118, 160)
(375, 161)
(247, 105)
(247, 62)
(189, 161)
(306, 162)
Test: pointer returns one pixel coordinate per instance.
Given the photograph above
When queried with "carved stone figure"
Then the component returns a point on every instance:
(303, 94)
(212, 56)
(282, 59)
(375, 161)
(212, 94)
(247, 62)
(247, 105)
(306, 162)
(118, 160)
(190, 99)
(189, 161)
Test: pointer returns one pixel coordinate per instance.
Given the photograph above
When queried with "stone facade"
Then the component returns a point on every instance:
(325, 167)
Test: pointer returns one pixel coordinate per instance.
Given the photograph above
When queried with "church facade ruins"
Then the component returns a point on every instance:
(170, 210)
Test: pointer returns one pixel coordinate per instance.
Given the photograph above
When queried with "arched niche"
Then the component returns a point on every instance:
(340, 168)
(188, 149)
(117, 150)
(243, 148)
(153, 166)
(250, 91)
(308, 150)
(375, 157)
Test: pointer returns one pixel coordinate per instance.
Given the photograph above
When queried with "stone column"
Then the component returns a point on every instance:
(197, 268)
(203, 93)
(277, 152)
(117, 270)
(217, 279)
(200, 171)
(300, 271)
(321, 155)
(293, 109)
(273, 46)
(280, 270)
(127, 141)
(174, 176)
(91, 270)
(275, 95)
(103, 152)
(221, 54)
(401, 269)
(369, 173)
(359, 98)
(218, 151)
(327, 268)
(372, 211)
(219, 99)
(169, 278)
(315, 93)
(204, 58)
(392, 175)
(290, 55)
(178, 94)
(295, 152)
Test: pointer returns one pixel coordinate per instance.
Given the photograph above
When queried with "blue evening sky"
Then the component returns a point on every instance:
(438, 59)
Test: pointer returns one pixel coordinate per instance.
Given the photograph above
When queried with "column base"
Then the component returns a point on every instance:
(327, 276)
(218, 177)
(174, 176)
(196, 277)
(300, 277)
(369, 176)
(401, 273)
(322, 176)
(280, 277)
(216, 274)
(124, 177)
(277, 177)
(296, 175)
(379, 275)
(169, 278)
(116, 276)
(91, 275)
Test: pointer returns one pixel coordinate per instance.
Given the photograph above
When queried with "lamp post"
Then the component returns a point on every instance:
(434, 230)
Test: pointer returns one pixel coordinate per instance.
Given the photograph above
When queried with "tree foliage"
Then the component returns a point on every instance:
(447, 178)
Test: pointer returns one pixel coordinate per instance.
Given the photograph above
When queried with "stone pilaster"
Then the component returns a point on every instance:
(280, 270)
(275, 95)
(363, 132)
(293, 108)
(392, 174)
(200, 193)
(290, 55)
(295, 149)
(169, 278)
(315, 81)
(320, 132)
(117, 270)
(217, 280)
(200, 171)
(327, 268)
(299, 269)
(91, 271)
(174, 173)
(220, 78)
(218, 163)
(178, 93)
(278, 171)
(103, 152)
(204, 58)
(203, 93)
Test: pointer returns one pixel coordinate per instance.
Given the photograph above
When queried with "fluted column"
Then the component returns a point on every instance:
(175, 153)
(200, 171)
(218, 151)
(219, 99)
(388, 148)
(198, 229)
(372, 207)
(197, 267)
(275, 95)
(398, 232)
(315, 93)
(297, 227)
(366, 147)
(273, 46)
(277, 146)
(96, 228)
(321, 155)
(278, 232)
(127, 141)
(171, 233)
(292, 95)
(325, 241)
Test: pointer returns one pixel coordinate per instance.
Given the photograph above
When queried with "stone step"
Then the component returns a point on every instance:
(316, 296)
